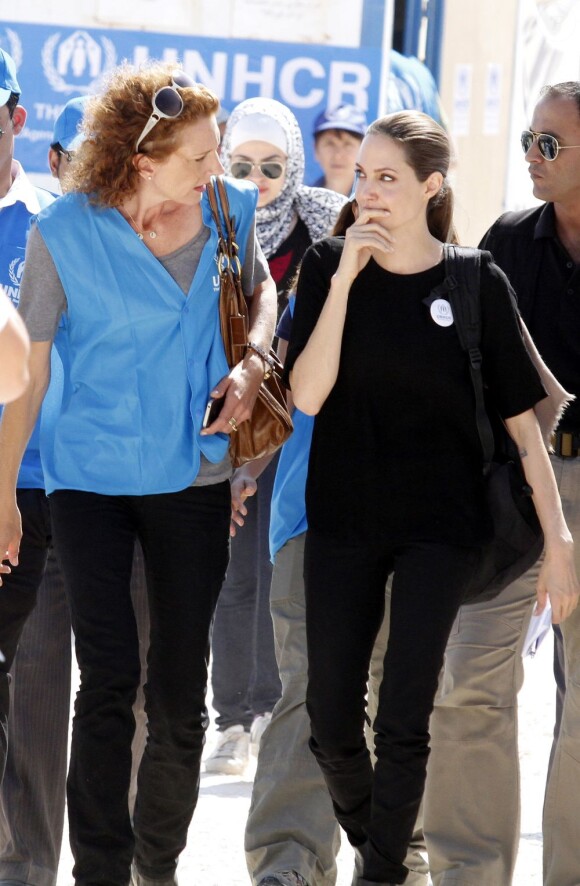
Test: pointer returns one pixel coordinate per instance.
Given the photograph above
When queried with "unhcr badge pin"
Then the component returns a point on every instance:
(441, 312)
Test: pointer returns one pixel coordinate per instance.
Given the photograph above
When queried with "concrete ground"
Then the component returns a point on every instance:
(214, 854)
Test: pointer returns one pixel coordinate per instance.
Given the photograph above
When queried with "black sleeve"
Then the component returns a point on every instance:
(486, 241)
(318, 265)
(498, 244)
(508, 370)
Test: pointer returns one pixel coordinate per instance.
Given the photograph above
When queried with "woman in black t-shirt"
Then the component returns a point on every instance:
(395, 480)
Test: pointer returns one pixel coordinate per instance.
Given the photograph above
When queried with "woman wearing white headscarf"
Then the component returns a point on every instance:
(262, 143)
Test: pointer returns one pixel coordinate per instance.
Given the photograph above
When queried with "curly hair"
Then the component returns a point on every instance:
(427, 149)
(113, 121)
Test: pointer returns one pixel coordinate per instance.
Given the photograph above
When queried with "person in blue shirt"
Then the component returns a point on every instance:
(14, 350)
(33, 775)
(127, 260)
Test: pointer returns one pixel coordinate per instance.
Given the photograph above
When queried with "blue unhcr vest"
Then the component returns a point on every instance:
(14, 224)
(140, 358)
(288, 508)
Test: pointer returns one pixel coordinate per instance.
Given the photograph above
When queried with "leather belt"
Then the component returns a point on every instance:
(566, 444)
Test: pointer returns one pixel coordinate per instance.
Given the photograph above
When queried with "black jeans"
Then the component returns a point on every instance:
(19, 592)
(185, 541)
(345, 596)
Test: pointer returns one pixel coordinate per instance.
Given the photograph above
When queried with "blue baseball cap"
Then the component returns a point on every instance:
(8, 81)
(67, 124)
(343, 116)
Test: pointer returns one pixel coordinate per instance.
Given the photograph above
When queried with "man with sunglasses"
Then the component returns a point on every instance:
(472, 803)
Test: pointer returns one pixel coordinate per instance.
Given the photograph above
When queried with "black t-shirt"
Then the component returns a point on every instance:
(395, 452)
(547, 283)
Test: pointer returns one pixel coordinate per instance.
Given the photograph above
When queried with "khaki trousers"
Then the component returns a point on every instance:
(562, 804)
(472, 795)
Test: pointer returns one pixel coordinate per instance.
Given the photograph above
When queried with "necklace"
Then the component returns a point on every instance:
(141, 234)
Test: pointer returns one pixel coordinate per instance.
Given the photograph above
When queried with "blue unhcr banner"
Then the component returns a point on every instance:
(56, 63)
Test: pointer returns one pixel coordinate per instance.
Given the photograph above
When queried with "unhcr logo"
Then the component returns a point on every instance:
(11, 284)
(15, 270)
(77, 63)
(10, 42)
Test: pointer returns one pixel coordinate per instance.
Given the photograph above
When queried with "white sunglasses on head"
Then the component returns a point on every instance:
(167, 103)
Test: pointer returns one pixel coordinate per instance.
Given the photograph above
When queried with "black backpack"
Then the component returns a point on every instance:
(518, 540)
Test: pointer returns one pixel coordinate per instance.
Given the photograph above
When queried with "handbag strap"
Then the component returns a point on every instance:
(216, 206)
(462, 284)
(228, 249)
(229, 221)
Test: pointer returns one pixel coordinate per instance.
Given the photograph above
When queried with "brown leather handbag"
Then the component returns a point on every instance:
(270, 424)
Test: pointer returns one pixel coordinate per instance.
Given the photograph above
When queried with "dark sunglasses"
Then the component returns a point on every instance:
(167, 103)
(270, 169)
(548, 145)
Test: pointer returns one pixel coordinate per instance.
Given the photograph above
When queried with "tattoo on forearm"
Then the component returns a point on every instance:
(522, 451)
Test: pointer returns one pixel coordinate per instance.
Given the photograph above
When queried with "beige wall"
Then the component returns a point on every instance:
(478, 33)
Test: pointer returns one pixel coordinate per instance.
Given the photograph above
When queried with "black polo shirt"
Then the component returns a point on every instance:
(547, 284)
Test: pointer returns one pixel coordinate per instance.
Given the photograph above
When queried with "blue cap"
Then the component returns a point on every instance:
(345, 117)
(66, 126)
(8, 81)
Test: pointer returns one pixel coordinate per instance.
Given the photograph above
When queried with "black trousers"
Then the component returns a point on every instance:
(19, 592)
(244, 676)
(345, 594)
(185, 541)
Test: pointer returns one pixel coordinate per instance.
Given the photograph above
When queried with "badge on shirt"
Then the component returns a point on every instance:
(441, 312)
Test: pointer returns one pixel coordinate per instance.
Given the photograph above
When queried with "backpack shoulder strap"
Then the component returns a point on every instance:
(462, 284)
(462, 281)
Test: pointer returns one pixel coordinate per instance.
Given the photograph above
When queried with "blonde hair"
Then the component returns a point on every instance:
(113, 121)
(427, 149)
